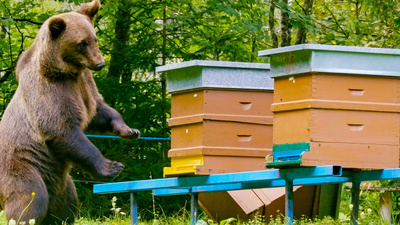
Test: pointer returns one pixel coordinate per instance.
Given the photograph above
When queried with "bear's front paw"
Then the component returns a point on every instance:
(110, 169)
(130, 134)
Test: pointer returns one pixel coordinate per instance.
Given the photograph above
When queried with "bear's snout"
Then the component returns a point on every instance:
(99, 66)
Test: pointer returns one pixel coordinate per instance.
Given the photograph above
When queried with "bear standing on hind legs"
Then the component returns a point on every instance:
(41, 132)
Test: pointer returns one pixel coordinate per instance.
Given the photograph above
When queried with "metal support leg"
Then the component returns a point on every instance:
(355, 197)
(134, 209)
(193, 208)
(289, 202)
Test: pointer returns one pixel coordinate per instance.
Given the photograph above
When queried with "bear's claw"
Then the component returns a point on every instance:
(110, 169)
(132, 134)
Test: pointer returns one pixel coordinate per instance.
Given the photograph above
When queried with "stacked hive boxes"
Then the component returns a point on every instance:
(335, 105)
(221, 119)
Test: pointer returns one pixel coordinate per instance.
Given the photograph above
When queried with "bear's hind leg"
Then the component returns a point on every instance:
(24, 205)
(63, 206)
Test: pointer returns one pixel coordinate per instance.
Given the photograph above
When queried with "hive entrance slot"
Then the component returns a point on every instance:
(355, 127)
(246, 105)
(356, 92)
(245, 138)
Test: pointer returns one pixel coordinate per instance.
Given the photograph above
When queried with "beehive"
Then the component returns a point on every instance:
(221, 119)
(335, 105)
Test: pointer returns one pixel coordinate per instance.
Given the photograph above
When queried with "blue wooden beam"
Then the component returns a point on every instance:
(229, 178)
(386, 174)
(140, 138)
(253, 185)
(250, 180)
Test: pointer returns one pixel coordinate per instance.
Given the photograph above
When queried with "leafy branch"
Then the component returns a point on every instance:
(23, 20)
(8, 71)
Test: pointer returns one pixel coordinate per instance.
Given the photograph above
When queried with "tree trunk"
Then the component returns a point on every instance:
(163, 83)
(253, 37)
(285, 25)
(271, 22)
(301, 34)
(253, 48)
(120, 43)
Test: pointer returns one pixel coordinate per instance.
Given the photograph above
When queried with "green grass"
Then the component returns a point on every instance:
(185, 220)
(368, 215)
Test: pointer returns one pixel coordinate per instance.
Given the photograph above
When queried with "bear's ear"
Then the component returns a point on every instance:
(56, 26)
(90, 9)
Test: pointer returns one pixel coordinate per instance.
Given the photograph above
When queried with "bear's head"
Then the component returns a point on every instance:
(68, 43)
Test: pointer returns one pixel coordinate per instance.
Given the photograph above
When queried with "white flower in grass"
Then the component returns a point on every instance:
(122, 213)
(32, 222)
(351, 206)
(113, 201)
(12, 222)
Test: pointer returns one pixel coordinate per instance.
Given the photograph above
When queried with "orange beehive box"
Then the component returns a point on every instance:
(221, 119)
(335, 105)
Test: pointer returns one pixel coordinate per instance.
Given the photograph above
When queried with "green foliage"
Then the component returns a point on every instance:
(135, 36)
(361, 23)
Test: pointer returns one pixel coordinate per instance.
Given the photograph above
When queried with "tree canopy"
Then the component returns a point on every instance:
(135, 36)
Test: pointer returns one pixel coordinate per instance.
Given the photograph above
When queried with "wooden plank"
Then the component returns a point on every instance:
(233, 204)
(229, 164)
(199, 118)
(214, 164)
(230, 102)
(349, 155)
(336, 87)
(385, 207)
(335, 104)
(180, 106)
(341, 126)
(238, 102)
(222, 134)
(219, 151)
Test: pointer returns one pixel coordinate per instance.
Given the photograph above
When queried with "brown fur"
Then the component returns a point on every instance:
(41, 132)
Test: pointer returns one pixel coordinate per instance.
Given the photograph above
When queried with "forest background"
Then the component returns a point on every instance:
(135, 36)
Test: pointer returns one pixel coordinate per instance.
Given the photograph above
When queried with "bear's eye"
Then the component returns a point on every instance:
(83, 45)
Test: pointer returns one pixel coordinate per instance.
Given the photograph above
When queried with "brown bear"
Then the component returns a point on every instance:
(41, 131)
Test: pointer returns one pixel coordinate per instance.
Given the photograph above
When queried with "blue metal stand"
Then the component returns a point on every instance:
(355, 197)
(289, 202)
(193, 208)
(134, 209)
(250, 180)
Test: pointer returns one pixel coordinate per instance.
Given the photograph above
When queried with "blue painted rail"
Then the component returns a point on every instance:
(249, 180)
(140, 138)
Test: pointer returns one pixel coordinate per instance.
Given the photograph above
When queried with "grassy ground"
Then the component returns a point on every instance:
(184, 220)
(368, 215)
